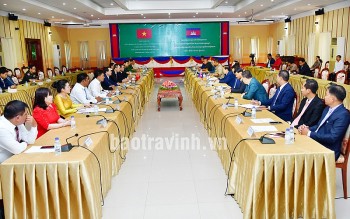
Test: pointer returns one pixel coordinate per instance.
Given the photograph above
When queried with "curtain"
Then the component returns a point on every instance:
(311, 48)
(290, 46)
(67, 51)
(254, 43)
(238, 47)
(324, 46)
(101, 53)
(84, 54)
(269, 45)
(9, 53)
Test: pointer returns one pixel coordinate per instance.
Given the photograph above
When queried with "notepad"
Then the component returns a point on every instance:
(38, 149)
(91, 110)
(262, 120)
(268, 128)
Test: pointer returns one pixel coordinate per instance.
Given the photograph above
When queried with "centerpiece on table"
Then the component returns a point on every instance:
(168, 85)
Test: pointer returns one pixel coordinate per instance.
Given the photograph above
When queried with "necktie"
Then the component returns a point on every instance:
(17, 134)
(296, 120)
(234, 86)
(278, 93)
(330, 111)
(85, 94)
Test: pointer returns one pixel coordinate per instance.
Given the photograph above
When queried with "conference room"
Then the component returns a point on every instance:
(174, 109)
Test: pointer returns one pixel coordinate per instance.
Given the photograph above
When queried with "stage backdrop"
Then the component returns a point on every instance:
(169, 39)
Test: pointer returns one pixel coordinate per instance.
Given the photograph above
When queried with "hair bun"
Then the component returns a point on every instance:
(54, 84)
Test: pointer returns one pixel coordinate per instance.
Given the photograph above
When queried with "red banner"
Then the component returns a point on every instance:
(145, 33)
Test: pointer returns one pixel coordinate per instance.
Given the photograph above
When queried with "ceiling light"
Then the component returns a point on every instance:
(295, 9)
(53, 16)
(309, 4)
(112, 4)
(92, 15)
(271, 0)
(39, 13)
(194, 16)
(226, 2)
(261, 5)
(63, 3)
(98, 18)
(217, 15)
(141, 14)
(245, 12)
(239, 15)
(75, 8)
(5, 4)
(23, 9)
(144, 17)
(169, 13)
(196, 12)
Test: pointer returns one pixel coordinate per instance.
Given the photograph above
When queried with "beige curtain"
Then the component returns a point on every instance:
(238, 48)
(101, 53)
(84, 54)
(67, 51)
(9, 53)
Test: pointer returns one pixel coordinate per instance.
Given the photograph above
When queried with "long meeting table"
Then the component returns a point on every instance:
(266, 180)
(73, 184)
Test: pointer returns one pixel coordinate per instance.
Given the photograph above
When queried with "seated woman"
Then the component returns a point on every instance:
(56, 71)
(45, 112)
(64, 69)
(62, 100)
(49, 73)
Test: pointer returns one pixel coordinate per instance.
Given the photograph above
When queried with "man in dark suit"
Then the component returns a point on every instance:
(311, 106)
(270, 61)
(282, 102)
(241, 87)
(30, 75)
(304, 68)
(254, 90)
(108, 83)
(334, 122)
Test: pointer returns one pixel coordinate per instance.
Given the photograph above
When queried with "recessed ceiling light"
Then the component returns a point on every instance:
(144, 17)
(239, 15)
(194, 16)
(196, 12)
(309, 4)
(23, 9)
(245, 12)
(226, 2)
(261, 5)
(92, 15)
(271, 0)
(295, 9)
(217, 15)
(112, 4)
(141, 14)
(63, 3)
(169, 13)
(53, 16)
(39, 13)
(5, 4)
(98, 18)
(75, 8)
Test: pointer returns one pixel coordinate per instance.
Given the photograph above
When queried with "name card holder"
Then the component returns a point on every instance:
(250, 131)
(88, 141)
(238, 120)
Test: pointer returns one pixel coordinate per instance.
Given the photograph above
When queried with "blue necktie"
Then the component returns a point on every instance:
(277, 94)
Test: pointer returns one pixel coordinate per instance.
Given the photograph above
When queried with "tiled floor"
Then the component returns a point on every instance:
(171, 183)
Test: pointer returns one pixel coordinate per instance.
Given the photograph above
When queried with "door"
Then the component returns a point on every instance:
(56, 55)
(34, 54)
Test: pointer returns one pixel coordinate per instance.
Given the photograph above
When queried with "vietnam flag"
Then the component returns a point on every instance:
(193, 32)
(144, 33)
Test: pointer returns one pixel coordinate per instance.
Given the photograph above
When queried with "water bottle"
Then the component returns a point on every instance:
(287, 137)
(73, 124)
(96, 109)
(291, 134)
(253, 113)
(0, 90)
(26, 84)
(236, 103)
(57, 146)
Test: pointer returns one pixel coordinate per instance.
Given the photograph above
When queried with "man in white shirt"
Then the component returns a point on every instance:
(339, 65)
(14, 136)
(80, 93)
(95, 87)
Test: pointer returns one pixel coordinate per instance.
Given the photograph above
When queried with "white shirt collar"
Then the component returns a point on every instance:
(7, 123)
(282, 86)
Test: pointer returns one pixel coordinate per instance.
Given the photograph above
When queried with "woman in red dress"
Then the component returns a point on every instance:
(45, 112)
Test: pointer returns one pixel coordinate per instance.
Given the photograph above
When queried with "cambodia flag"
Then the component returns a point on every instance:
(144, 33)
(193, 32)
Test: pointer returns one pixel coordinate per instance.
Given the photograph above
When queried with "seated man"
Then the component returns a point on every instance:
(229, 78)
(5, 81)
(254, 90)
(270, 61)
(95, 87)
(80, 94)
(278, 62)
(207, 66)
(338, 66)
(304, 68)
(281, 104)
(239, 86)
(14, 135)
(30, 75)
(317, 64)
(108, 83)
(219, 70)
(311, 106)
(334, 122)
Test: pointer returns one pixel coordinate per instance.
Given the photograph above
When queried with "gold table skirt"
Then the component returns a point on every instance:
(267, 180)
(68, 186)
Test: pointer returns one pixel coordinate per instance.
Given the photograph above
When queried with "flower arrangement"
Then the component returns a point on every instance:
(168, 85)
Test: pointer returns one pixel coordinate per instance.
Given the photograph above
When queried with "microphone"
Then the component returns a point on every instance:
(68, 146)
(119, 135)
(112, 110)
(266, 140)
(246, 114)
(76, 135)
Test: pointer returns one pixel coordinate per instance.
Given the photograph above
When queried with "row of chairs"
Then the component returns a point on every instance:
(342, 161)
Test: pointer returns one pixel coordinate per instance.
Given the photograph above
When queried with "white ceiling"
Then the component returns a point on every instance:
(103, 11)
